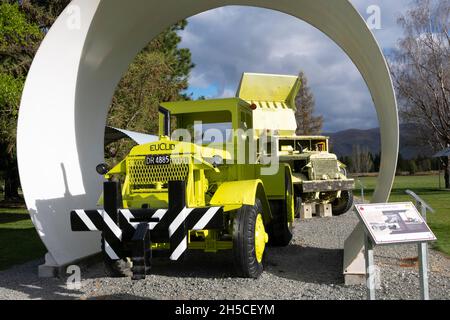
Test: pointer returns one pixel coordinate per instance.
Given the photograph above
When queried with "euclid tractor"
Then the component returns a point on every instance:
(228, 174)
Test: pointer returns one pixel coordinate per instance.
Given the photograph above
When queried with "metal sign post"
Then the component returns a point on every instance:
(370, 267)
(395, 223)
(422, 248)
(423, 269)
(362, 190)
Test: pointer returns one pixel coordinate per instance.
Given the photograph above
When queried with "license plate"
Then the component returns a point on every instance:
(151, 160)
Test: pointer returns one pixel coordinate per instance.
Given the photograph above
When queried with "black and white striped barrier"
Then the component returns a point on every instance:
(209, 218)
(130, 232)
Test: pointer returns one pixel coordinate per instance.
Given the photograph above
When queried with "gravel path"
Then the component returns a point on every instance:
(310, 268)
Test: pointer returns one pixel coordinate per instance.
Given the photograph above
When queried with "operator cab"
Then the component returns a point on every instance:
(303, 144)
(206, 122)
(313, 144)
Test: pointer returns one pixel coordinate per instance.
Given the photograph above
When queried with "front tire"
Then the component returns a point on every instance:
(249, 240)
(343, 204)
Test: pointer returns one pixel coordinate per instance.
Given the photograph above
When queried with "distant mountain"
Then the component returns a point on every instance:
(342, 142)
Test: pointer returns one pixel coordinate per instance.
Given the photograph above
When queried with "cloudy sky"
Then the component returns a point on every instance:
(228, 41)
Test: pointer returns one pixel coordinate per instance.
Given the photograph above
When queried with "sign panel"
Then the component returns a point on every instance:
(390, 223)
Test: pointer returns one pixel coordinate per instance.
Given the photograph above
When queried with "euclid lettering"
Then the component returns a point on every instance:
(162, 147)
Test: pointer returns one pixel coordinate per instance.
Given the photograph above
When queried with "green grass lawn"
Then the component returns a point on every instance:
(426, 187)
(19, 241)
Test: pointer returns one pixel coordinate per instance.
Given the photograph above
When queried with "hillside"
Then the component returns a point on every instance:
(342, 142)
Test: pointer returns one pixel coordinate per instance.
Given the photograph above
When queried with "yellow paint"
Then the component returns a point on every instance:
(271, 91)
(274, 98)
(236, 193)
(209, 244)
(261, 238)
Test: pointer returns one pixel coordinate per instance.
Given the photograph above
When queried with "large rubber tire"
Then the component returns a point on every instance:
(343, 204)
(116, 268)
(298, 206)
(280, 230)
(244, 254)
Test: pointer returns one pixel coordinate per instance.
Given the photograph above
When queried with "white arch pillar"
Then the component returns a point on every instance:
(73, 77)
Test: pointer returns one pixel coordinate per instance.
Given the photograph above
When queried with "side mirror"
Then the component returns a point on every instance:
(102, 169)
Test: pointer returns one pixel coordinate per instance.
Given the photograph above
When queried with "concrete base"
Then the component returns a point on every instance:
(324, 210)
(45, 271)
(51, 269)
(306, 211)
(354, 279)
(354, 261)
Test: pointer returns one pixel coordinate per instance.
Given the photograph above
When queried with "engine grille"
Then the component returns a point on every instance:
(143, 176)
(323, 167)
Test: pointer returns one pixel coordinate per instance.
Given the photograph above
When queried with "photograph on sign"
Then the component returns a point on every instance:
(394, 223)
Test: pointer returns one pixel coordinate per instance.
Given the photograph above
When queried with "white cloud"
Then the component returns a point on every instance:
(228, 93)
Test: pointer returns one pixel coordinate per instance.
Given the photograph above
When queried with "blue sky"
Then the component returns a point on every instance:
(228, 41)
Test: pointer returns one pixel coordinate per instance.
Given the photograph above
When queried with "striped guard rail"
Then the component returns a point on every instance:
(175, 231)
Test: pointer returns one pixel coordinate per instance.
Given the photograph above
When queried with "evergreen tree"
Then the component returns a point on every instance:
(307, 123)
(412, 167)
(158, 74)
(376, 162)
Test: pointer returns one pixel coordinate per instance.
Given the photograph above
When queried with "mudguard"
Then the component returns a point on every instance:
(234, 194)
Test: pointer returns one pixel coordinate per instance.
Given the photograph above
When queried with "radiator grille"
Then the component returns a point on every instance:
(144, 176)
(326, 167)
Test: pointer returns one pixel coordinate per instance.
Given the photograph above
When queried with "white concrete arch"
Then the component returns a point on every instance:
(73, 77)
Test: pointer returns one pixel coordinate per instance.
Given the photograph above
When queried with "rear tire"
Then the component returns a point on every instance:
(280, 233)
(343, 204)
(298, 206)
(280, 230)
(247, 262)
(116, 268)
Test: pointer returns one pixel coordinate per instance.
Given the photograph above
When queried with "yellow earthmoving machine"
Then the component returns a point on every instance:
(232, 176)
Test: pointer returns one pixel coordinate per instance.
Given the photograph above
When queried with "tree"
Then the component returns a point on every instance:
(19, 39)
(412, 167)
(376, 162)
(42, 12)
(347, 161)
(23, 25)
(421, 71)
(426, 165)
(361, 159)
(10, 90)
(158, 74)
(307, 123)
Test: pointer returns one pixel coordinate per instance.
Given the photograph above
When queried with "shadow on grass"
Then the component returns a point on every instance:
(19, 246)
(13, 217)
